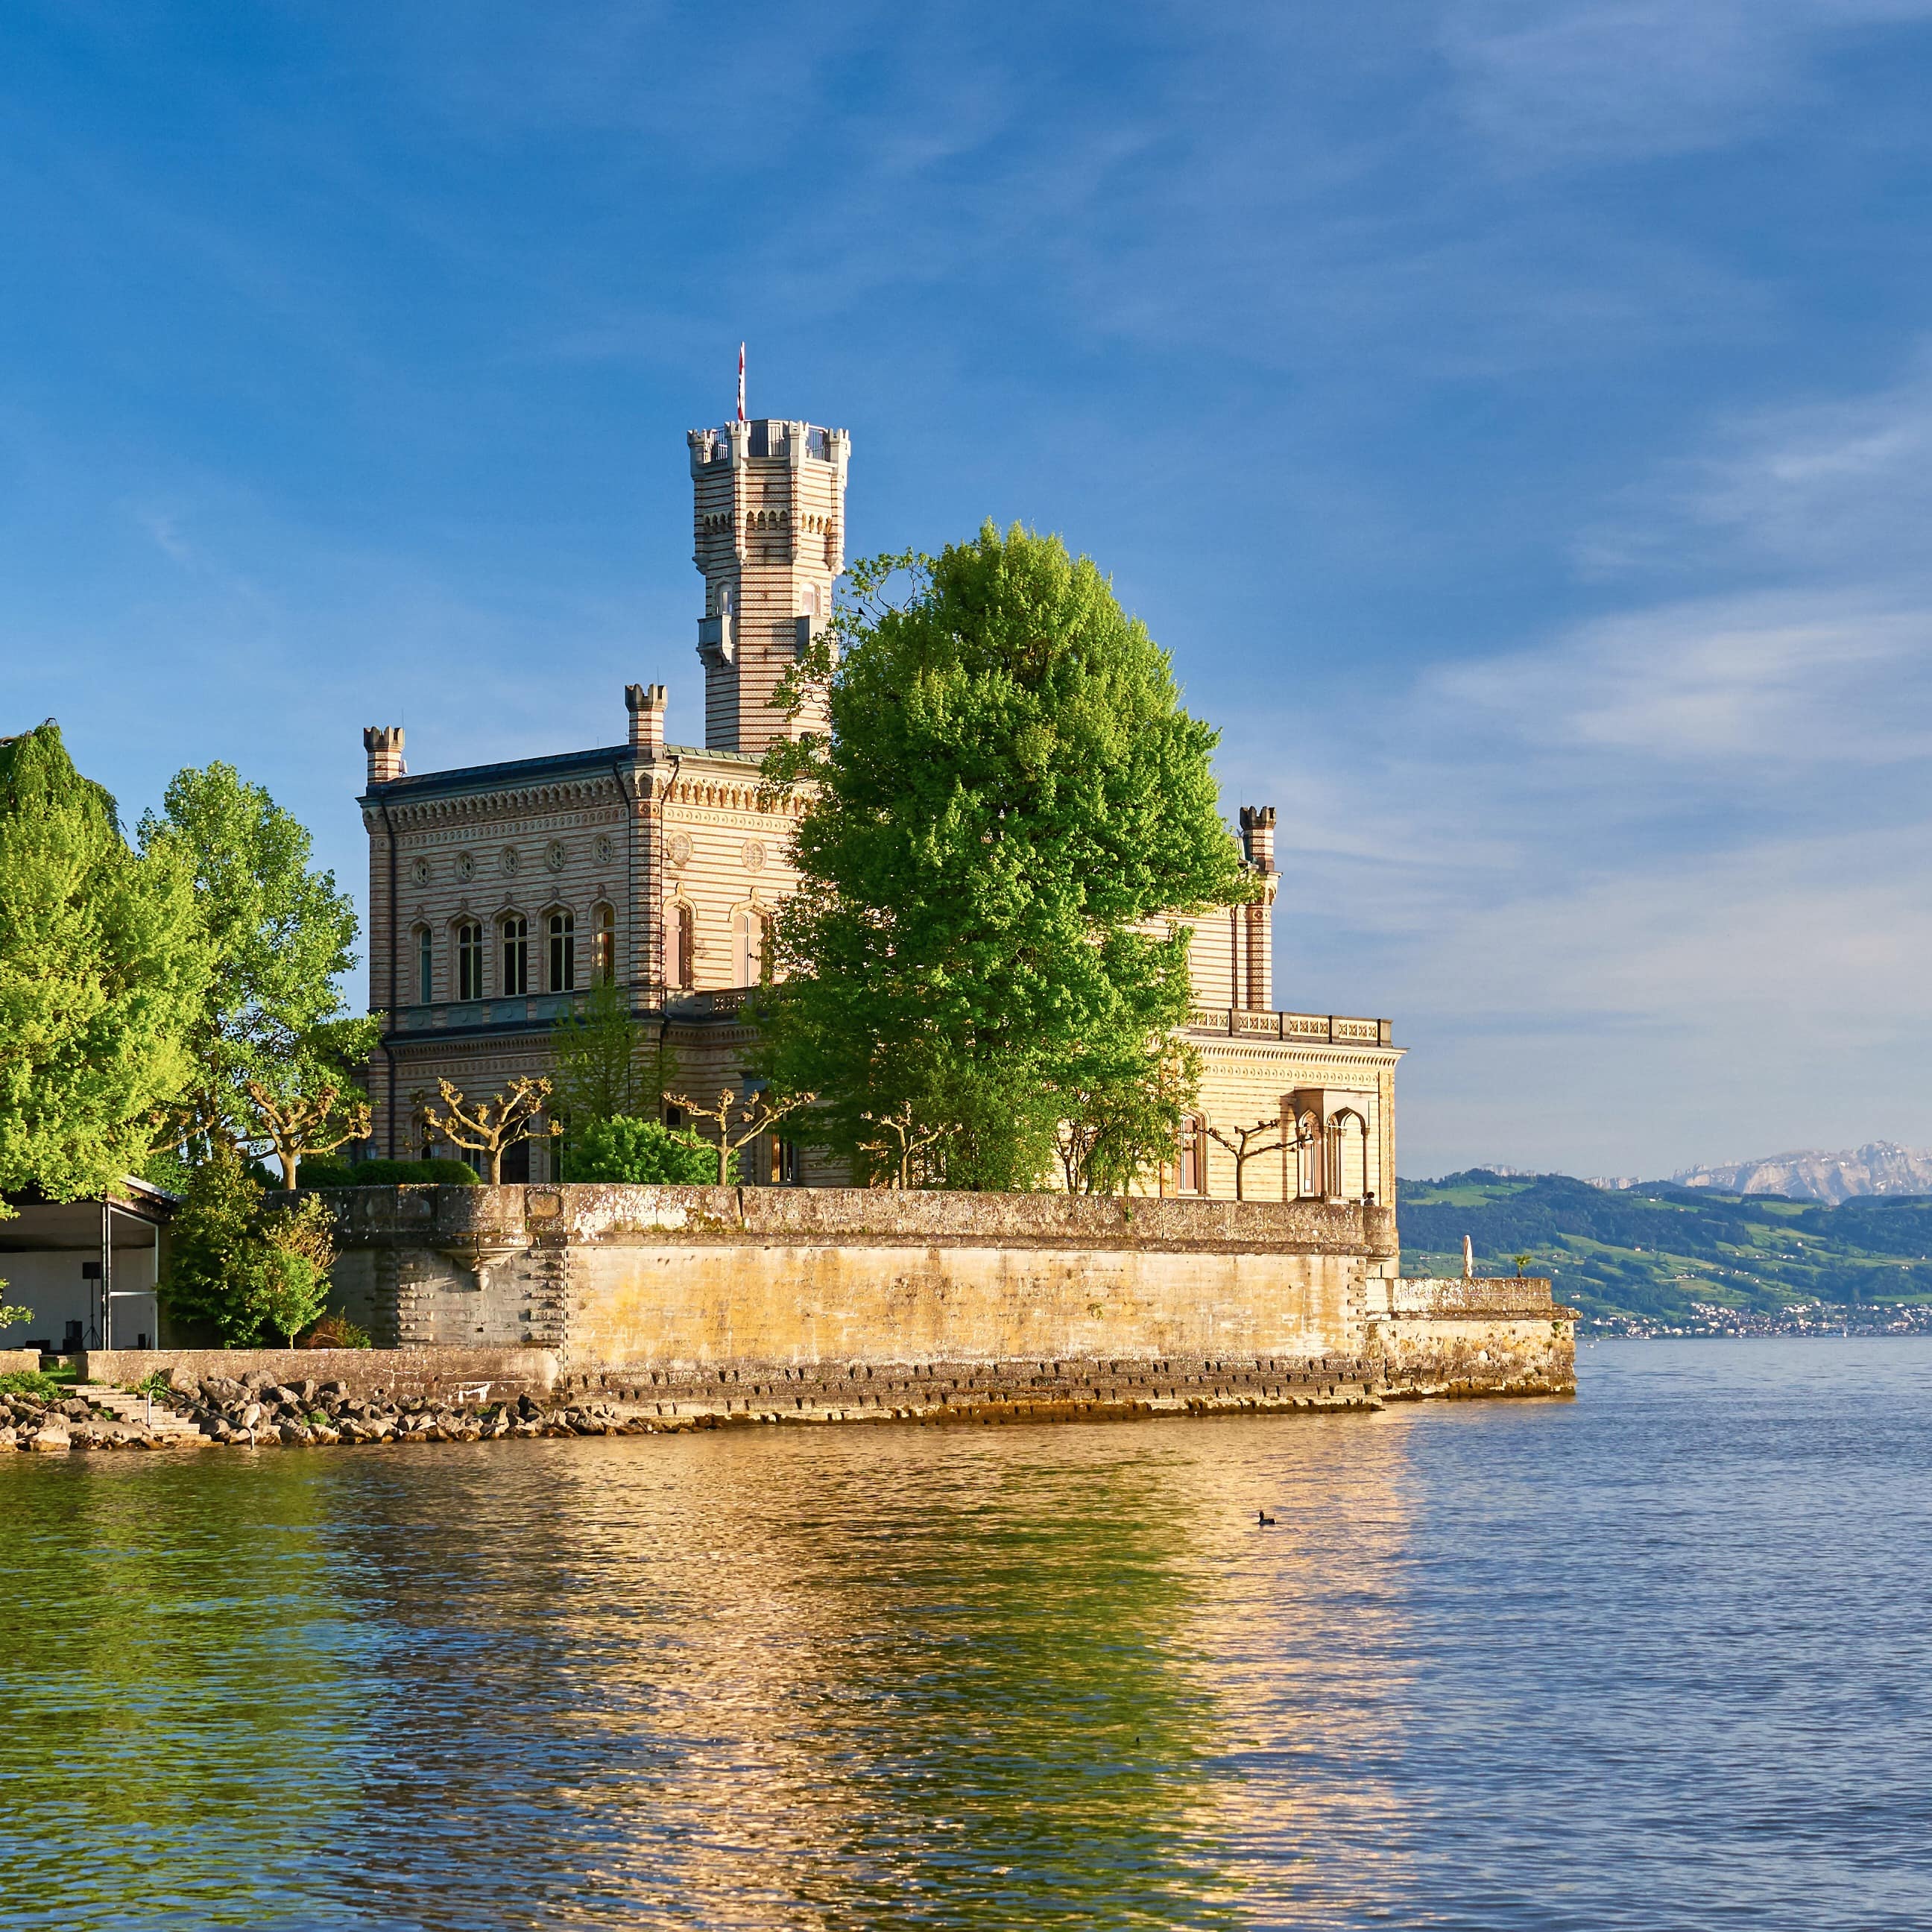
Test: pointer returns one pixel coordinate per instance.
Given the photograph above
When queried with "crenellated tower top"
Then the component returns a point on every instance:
(768, 530)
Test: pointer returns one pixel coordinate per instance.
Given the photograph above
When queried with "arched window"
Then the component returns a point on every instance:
(684, 949)
(469, 961)
(425, 967)
(562, 952)
(750, 956)
(1190, 1165)
(604, 944)
(1310, 1153)
(516, 932)
(1348, 1177)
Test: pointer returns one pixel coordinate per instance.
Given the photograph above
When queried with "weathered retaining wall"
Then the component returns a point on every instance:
(397, 1373)
(13, 1361)
(686, 1278)
(865, 1295)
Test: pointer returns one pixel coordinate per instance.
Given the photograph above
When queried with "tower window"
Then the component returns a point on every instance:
(469, 961)
(684, 949)
(516, 932)
(562, 952)
(604, 944)
(751, 950)
(425, 967)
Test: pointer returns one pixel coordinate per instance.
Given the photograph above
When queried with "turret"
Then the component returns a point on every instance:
(646, 704)
(1258, 836)
(769, 529)
(384, 745)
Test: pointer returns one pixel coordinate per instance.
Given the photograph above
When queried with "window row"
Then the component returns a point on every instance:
(1318, 1163)
(751, 947)
(512, 943)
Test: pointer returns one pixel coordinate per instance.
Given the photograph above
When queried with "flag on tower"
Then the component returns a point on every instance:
(741, 382)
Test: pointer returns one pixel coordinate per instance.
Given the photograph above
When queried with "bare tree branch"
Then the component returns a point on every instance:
(1241, 1145)
(297, 1125)
(489, 1127)
(758, 1114)
(905, 1142)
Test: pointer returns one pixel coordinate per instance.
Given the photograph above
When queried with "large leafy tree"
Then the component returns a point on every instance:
(1008, 802)
(104, 969)
(273, 1027)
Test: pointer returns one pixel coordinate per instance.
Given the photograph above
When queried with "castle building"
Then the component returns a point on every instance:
(499, 894)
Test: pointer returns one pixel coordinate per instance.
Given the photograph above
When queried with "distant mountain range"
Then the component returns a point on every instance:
(1880, 1167)
(1664, 1253)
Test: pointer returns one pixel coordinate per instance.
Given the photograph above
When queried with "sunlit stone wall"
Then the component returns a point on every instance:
(684, 1279)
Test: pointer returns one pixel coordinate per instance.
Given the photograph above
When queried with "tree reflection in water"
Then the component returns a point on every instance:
(799, 1678)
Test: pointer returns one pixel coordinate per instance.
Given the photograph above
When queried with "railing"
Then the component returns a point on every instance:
(725, 1005)
(1330, 1029)
(542, 1009)
(517, 1009)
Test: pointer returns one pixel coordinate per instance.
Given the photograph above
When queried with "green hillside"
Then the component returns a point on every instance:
(1660, 1253)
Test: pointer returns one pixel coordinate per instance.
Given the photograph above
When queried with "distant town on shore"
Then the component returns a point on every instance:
(1845, 1247)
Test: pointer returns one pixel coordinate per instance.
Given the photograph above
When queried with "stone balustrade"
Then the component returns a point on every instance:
(1315, 1029)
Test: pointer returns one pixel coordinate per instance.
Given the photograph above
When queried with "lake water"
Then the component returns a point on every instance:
(1652, 1658)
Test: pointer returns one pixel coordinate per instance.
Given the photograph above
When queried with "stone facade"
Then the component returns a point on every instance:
(497, 893)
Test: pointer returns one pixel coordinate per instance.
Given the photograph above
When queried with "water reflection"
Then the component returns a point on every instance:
(1025, 1676)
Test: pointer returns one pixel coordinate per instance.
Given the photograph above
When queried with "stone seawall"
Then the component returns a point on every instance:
(830, 1301)
(687, 1278)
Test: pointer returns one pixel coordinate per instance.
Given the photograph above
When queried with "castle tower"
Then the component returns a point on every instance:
(769, 524)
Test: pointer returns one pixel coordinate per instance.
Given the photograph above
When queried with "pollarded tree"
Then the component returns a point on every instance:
(491, 1127)
(1009, 798)
(283, 934)
(103, 969)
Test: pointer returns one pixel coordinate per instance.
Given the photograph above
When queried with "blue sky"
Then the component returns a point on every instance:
(1515, 416)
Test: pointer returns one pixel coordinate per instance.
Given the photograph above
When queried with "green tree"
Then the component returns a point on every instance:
(283, 934)
(1009, 800)
(214, 1274)
(643, 1152)
(297, 1247)
(239, 1268)
(103, 969)
(607, 1067)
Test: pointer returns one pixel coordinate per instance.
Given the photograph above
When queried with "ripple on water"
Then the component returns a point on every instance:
(1645, 1659)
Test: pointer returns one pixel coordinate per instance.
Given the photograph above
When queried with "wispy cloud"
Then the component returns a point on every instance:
(1667, 837)
(1601, 80)
(1799, 678)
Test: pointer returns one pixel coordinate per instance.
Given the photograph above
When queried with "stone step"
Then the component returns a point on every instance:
(133, 1408)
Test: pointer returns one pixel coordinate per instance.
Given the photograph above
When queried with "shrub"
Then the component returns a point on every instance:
(322, 1171)
(644, 1153)
(335, 1330)
(293, 1292)
(301, 1240)
(30, 1381)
